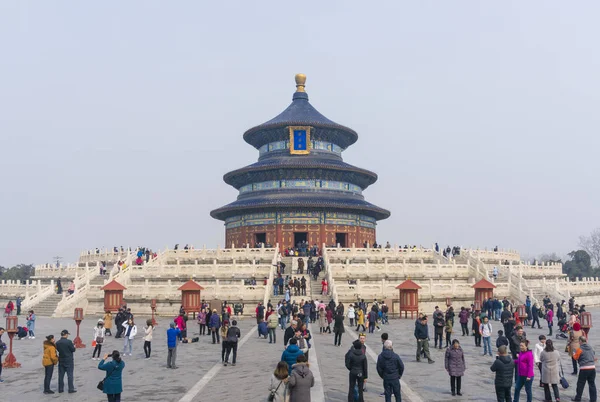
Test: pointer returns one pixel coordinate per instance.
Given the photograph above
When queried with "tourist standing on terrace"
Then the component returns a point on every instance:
(356, 363)
(486, 332)
(172, 335)
(148, 331)
(18, 305)
(390, 368)
(202, 321)
(49, 360)
(360, 319)
(587, 369)
(525, 373)
(300, 381)
(272, 323)
(550, 359)
(535, 316)
(454, 363)
(113, 382)
(214, 325)
(66, 363)
(232, 336)
(130, 330)
(99, 333)
(59, 288)
(224, 328)
(108, 322)
(31, 324)
(278, 387)
(422, 336)
(504, 367)
(463, 318)
(550, 319)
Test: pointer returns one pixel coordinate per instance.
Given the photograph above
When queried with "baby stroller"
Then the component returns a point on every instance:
(563, 329)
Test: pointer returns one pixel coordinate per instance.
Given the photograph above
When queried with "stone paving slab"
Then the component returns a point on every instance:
(150, 380)
(143, 379)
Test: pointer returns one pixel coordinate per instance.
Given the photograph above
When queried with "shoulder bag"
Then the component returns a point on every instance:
(271, 397)
(100, 385)
(563, 381)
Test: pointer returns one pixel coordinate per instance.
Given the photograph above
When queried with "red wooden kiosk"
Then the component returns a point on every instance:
(113, 295)
(190, 296)
(484, 289)
(409, 298)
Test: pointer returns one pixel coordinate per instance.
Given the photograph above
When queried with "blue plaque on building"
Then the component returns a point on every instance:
(299, 140)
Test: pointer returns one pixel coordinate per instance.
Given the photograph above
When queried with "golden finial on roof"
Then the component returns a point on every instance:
(300, 81)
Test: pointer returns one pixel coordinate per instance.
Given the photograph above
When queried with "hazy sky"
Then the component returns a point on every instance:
(119, 119)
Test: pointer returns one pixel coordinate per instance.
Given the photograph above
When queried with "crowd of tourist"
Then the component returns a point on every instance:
(518, 358)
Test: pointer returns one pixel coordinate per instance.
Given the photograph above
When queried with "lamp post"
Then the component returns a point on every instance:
(586, 322)
(11, 327)
(78, 317)
(153, 307)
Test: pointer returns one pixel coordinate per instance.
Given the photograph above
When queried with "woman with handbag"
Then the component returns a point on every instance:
(49, 360)
(550, 359)
(99, 333)
(112, 384)
(148, 331)
(278, 387)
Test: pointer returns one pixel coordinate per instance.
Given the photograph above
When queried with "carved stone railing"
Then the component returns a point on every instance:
(331, 284)
(69, 271)
(271, 277)
(65, 306)
(12, 288)
(398, 271)
(494, 256)
(42, 293)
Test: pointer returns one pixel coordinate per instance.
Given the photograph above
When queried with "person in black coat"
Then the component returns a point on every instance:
(504, 367)
(289, 332)
(356, 363)
(338, 328)
(390, 368)
(66, 364)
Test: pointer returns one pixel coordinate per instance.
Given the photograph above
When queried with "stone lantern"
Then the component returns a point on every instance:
(78, 317)
(586, 322)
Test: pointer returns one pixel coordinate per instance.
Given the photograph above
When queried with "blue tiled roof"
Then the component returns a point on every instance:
(303, 200)
(300, 112)
(358, 176)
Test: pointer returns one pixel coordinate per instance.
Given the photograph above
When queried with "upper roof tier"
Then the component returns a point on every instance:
(300, 112)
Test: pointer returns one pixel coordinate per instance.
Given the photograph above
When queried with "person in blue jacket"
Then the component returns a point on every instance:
(172, 335)
(214, 325)
(113, 382)
(291, 353)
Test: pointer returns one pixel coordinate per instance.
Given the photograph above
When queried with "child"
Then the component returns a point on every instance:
(448, 332)
(99, 334)
(502, 340)
(31, 324)
(148, 330)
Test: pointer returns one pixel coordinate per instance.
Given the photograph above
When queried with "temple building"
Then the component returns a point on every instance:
(300, 189)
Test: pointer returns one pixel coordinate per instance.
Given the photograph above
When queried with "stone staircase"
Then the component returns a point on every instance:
(47, 307)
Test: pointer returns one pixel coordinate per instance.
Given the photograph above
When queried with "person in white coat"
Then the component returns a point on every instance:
(99, 334)
(148, 331)
(351, 315)
(537, 352)
(129, 332)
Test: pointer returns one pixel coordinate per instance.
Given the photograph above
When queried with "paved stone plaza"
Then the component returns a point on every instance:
(201, 377)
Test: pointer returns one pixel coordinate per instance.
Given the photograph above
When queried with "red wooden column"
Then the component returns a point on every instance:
(409, 298)
(190, 296)
(484, 289)
(113, 295)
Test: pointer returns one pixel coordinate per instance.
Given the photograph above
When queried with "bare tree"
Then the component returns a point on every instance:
(591, 244)
(549, 257)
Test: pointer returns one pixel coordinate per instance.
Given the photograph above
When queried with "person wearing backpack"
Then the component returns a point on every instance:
(233, 335)
(272, 323)
(356, 363)
(485, 329)
(504, 367)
